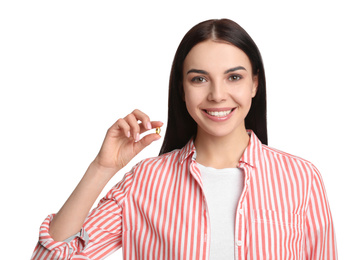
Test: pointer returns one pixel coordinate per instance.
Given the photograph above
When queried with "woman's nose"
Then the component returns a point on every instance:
(218, 92)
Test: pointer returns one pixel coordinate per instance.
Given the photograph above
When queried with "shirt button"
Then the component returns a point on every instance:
(240, 211)
(239, 243)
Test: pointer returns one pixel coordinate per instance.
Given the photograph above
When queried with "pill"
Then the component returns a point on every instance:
(157, 130)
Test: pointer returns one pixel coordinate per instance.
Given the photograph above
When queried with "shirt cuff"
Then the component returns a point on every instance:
(73, 244)
(81, 234)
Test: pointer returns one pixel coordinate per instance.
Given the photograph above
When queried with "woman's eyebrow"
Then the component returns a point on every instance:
(206, 73)
(234, 69)
(197, 71)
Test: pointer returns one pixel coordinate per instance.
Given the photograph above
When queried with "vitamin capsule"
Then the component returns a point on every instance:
(157, 130)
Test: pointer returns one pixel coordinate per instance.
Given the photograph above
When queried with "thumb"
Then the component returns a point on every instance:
(145, 141)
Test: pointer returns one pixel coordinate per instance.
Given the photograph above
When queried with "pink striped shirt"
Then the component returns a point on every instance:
(158, 211)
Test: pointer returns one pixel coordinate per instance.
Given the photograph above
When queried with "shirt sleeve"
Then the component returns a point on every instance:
(320, 240)
(101, 233)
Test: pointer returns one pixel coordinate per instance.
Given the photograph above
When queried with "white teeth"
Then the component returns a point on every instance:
(219, 113)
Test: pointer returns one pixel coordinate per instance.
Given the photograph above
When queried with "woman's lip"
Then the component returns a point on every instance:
(219, 118)
(218, 109)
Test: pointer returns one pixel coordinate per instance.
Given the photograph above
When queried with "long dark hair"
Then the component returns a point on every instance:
(181, 127)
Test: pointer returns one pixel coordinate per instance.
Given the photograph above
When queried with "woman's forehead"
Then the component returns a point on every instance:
(215, 55)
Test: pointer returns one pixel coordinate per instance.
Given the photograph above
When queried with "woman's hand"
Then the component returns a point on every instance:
(122, 141)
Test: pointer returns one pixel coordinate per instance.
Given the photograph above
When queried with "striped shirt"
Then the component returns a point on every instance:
(158, 211)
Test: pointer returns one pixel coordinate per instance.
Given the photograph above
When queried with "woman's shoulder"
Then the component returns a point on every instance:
(170, 157)
(145, 169)
(276, 155)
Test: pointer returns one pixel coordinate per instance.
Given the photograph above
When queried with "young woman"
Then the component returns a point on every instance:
(216, 191)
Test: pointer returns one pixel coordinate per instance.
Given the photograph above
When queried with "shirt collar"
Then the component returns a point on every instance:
(253, 153)
(187, 151)
(251, 156)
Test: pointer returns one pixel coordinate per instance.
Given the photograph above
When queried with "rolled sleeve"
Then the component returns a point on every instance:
(47, 248)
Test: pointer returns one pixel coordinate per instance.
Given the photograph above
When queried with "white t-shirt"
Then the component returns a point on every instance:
(222, 188)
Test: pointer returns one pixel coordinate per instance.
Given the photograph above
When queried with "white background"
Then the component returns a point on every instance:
(69, 69)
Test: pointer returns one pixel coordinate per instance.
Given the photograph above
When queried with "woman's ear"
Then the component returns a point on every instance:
(255, 85)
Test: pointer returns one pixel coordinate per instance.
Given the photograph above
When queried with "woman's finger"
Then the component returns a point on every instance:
(144, 118)
(131, 127)
(132, 121)
(121, 125)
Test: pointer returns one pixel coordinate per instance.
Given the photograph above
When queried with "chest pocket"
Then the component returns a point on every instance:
(282, 230)
(282, 218)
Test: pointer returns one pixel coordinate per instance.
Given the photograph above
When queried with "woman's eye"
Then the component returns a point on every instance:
(235, 77)
(199, 79)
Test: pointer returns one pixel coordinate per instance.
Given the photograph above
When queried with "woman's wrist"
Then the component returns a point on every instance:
(104, 173)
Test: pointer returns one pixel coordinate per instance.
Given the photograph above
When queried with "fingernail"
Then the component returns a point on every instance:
(137, 137)
(128, 134)
(149, 126)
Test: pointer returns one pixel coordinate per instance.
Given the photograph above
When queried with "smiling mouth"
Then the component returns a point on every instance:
(219, 113)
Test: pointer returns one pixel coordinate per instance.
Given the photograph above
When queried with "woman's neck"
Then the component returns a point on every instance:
(221, 152)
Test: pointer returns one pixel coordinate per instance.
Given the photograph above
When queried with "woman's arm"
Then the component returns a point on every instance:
(320, 240)
(70, 218)
(121, 144)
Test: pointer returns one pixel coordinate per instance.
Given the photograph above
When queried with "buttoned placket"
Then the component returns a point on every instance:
(239, 233)
(206, 224)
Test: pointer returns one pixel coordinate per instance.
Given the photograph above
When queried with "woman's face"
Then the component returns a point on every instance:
(219, 86)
